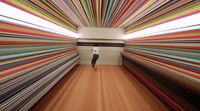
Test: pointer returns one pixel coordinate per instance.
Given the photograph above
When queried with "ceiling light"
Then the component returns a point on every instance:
(192, 22)
(17, 16)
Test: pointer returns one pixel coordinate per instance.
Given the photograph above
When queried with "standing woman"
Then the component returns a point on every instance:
(95, 51)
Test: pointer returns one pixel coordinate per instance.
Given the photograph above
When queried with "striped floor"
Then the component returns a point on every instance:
(109, 88)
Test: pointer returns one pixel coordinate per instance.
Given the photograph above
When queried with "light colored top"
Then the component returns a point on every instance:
(95, 50)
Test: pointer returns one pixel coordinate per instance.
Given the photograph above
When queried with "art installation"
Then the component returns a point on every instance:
(36, 53)
(168, 65)
(31, 63)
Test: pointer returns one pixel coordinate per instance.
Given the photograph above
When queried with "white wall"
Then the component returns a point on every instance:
(100, 33)
(107, 55)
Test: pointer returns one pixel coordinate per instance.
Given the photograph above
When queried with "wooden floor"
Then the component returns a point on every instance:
(109, 88)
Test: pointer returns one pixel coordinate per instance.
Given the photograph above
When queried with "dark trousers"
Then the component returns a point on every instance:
(94, 59)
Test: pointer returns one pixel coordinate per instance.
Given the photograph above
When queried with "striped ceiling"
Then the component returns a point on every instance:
(132, 15)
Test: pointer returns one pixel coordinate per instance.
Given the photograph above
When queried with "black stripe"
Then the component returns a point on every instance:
(100, 44)
(100, 39)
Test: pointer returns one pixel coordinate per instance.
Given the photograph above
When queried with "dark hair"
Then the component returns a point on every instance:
(95, 44)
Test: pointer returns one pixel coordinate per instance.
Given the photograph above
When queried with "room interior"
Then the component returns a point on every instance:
(148, 55)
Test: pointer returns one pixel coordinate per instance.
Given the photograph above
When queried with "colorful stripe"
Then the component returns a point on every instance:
(32, 61)
(168, 64)
(132, 15)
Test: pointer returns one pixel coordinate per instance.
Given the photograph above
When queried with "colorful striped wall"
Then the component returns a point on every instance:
(132, 15)
(32, 61)
(168, 65)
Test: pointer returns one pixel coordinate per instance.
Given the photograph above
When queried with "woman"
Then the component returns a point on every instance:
(95, 51)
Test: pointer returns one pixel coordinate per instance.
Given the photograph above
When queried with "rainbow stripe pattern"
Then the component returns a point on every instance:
(32, 61)
(168, 65)
(132, 15)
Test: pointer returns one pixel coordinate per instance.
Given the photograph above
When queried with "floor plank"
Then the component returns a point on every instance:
(109, 88)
